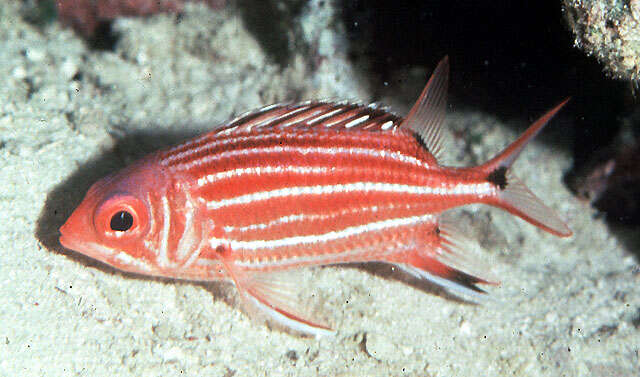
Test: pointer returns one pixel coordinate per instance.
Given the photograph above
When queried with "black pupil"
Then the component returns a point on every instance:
(121, 221)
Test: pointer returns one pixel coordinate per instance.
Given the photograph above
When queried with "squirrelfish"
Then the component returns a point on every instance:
(304, 184)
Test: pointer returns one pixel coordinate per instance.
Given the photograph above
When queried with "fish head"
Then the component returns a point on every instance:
(113, 223)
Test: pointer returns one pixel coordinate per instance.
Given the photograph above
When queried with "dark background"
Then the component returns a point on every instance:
(507, 57)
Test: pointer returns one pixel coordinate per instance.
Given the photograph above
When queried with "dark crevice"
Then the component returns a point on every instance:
(272, 24)
(104, 38)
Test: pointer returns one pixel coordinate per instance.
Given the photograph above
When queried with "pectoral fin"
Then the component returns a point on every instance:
(274, 296)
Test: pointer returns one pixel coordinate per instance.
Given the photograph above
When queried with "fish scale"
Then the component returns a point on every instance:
(307, 184)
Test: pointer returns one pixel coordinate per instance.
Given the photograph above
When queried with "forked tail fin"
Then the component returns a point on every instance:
(513, 195)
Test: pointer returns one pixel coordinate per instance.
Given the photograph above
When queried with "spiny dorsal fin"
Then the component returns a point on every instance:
(315, 114)
(427, 114)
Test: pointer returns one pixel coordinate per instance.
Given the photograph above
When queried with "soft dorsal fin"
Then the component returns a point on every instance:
(427, 114)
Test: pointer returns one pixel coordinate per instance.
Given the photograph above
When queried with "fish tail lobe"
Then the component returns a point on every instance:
(513, 196)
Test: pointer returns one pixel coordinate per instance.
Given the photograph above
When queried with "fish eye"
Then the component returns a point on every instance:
(121, 217)
(121, 221)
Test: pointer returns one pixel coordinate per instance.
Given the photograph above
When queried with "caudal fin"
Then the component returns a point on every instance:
(513, 195)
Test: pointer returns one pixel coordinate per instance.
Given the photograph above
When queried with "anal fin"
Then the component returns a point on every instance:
(446, 257)
(462, 253)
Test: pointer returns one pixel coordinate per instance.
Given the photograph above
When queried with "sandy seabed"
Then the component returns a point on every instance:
(70, 114)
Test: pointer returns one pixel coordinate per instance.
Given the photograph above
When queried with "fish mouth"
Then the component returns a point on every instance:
(89, 249)
(73, 235)
(65, 240)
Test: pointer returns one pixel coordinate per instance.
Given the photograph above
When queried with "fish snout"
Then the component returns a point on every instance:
(72, 231)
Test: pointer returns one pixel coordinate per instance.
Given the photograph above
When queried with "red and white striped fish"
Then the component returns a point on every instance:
(307, 184)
